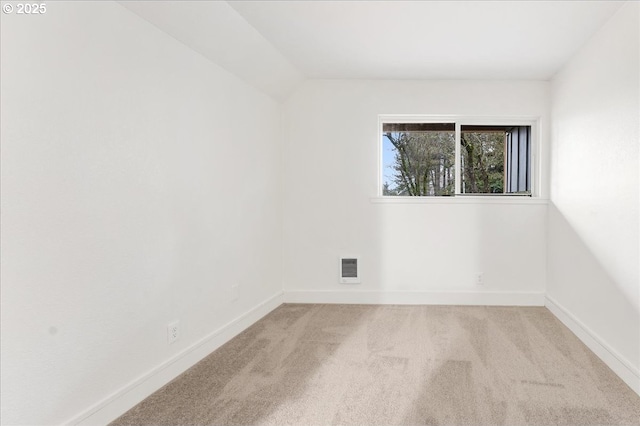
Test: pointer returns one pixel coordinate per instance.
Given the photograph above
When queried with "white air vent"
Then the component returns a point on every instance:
(349, 270)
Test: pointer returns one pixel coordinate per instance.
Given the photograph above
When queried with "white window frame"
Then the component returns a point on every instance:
(459, 121)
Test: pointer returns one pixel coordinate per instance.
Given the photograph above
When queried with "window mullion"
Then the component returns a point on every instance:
(458, 170)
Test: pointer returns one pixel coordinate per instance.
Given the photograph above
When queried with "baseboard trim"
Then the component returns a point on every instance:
(616, 362)
(490, 298)
(137, 390)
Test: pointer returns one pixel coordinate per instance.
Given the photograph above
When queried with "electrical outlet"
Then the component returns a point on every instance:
(480, 278)
(235, 292)
(173, 331)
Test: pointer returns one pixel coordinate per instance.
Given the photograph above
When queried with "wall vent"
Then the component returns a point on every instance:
(349, 270)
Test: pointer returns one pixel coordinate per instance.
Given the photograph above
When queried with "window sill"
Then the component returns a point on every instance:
(460, 199)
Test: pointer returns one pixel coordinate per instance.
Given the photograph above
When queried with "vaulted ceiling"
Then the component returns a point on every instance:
(274, 45)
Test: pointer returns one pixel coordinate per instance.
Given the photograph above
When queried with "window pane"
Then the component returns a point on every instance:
(495, 159)
(418, 159)
(483, 161)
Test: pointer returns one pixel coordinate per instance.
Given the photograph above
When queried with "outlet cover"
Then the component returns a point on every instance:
(235, 293)
(173, 331)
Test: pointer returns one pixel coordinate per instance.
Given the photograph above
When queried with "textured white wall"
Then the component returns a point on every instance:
(331, 172)
(593, 219)
(139, 182)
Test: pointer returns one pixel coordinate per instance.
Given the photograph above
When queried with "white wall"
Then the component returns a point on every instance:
(593, 219)
(139, 182)
(331, 173)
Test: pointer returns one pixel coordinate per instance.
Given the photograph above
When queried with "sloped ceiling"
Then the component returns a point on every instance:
(218, 32)
(274, 45)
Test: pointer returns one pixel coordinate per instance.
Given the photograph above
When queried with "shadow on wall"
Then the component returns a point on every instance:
(579, 283)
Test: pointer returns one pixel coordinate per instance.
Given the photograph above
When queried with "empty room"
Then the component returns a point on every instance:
(320, 212)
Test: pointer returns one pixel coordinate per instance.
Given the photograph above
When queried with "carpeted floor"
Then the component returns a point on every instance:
(396, 365)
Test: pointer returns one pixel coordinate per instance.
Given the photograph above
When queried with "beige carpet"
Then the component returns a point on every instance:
(396, 365)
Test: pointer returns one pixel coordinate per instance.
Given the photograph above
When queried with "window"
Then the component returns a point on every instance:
(439, 158)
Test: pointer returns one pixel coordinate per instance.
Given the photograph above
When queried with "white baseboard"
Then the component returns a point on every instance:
(124, 399)
(616, 362)
(491, 298)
